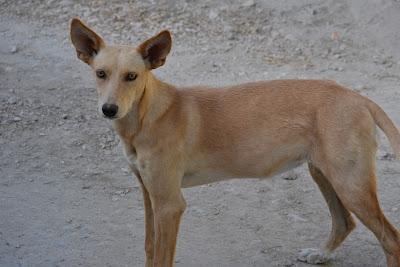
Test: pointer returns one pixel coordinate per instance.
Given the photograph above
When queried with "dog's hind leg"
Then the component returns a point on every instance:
(361, 199)
(346, 157)
(342, 221)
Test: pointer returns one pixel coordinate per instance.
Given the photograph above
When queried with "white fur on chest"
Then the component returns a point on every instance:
(132, 159)
(130, 156)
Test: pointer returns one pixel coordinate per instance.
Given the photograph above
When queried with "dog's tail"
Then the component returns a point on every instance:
(387, 126)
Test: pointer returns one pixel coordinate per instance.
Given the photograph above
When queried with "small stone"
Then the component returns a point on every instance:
(12, 100)
(16, 119)
(214, 67)
(14, 49)
(248, 3)
(388, 156)
(394, 209)
(114, 198)
(216, 212)
(212, 15)
(290, 176)
(65, 116)
(119, 192)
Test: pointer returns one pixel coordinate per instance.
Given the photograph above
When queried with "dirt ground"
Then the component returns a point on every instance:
(66, 195)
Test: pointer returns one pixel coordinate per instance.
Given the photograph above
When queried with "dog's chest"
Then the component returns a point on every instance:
(130, 156)
(132, 159)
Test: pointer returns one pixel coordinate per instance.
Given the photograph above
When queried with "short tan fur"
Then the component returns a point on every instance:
(180, 137)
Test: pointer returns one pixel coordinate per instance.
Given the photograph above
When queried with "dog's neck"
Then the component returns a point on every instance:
(155, 100)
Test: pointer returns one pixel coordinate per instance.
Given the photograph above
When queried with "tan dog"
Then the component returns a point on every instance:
(176, 138)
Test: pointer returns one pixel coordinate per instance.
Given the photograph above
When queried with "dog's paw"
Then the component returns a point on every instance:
(313, 256)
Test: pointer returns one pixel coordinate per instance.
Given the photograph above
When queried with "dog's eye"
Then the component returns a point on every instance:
(131, 76)
(101, 74)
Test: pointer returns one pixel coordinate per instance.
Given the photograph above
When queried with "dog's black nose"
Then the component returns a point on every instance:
(109, 110)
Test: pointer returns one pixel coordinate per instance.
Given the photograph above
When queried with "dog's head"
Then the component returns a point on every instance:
(121, 71)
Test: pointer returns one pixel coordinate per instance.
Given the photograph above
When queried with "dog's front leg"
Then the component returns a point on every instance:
(167, 218)
(149, 222)
(168, 206)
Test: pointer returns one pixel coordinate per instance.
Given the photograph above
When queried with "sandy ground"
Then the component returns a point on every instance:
(66, 195)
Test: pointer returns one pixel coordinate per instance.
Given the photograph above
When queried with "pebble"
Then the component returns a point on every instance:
(12, 100)
(14, 49)
(290, 176)
(65, 116)
(121, 193)
(388, 156)
(212, 15)
(125, 170)
(395, 209)
(16, 119)
(248, 3)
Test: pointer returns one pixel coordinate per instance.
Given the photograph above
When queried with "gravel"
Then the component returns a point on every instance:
(67, 196)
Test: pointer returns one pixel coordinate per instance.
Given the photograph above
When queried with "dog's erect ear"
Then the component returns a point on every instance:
(87, 43)
(155, 50)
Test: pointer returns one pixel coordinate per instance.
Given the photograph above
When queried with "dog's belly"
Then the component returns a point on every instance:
(206, 176)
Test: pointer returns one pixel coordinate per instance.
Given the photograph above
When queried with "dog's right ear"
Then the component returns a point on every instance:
(87, 43)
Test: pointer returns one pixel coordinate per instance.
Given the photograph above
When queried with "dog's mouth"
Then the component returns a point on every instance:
(110, 117)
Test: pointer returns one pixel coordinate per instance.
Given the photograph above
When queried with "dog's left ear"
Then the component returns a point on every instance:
(87, 43)
(155, 50)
